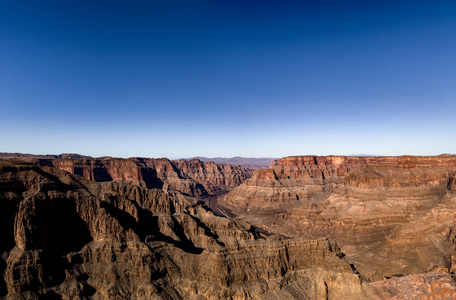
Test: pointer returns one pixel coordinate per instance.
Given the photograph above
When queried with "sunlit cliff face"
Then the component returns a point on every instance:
(391, 215)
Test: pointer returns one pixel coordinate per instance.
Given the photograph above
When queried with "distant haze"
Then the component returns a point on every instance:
(227, 78)
(249, 162)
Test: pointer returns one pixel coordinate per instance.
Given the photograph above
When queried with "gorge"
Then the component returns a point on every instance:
(307, 227)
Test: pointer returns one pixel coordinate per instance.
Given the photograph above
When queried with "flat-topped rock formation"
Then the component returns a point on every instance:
(390, 215)
(64, 236)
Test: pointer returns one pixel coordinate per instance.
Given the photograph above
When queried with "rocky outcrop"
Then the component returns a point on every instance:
(433, 285)
(193, 178)
(390, 215)
(64, 236)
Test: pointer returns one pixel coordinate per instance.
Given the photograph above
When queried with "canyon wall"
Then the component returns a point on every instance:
(193, 178)
(330, 227)
(391, 215)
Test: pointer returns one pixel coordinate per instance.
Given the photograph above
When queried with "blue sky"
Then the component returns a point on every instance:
(226, 78)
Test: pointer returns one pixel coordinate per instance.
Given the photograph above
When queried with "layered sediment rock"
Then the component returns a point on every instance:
(193, 178)
(433, 285)
(65, 236)
(390, 215)
(132, 228)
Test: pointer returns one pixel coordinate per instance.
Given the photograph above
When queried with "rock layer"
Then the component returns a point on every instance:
(390, 215)
(432, 285)
(132, 228)
(193, 178)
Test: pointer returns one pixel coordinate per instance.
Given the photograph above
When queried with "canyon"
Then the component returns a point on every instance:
(307, 227)
(391, 216)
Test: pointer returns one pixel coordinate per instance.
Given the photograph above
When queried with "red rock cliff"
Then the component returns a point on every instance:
(194, 178)
(390, 214)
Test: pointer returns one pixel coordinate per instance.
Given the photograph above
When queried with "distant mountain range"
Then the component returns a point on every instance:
(4, 155)
(248, 162)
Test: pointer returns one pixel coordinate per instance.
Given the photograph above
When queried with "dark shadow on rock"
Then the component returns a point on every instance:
(195, 190)
(100, 173)
(54, 183)
(3, 289)
(8, 211)
(177, 170)
(58, 230)
(151, 179)
(87, 290)
(147, 225)
(149, 175)
(78, 171)
(45, 162)
(125, 219)
(185, 243)
(207, 230)
(51, 295)
(198, 190)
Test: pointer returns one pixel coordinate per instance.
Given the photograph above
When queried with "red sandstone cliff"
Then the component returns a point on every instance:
(391, 215)
(194, 178)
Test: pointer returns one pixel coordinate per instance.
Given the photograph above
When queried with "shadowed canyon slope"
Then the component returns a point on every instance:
(64, 236)
(392, 216)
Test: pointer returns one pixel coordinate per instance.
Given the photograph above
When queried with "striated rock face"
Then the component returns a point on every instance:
(433, 285)
(391, 215)
(193, 178)
(64, 236)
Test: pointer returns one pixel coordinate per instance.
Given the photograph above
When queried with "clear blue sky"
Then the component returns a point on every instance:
(225, 78)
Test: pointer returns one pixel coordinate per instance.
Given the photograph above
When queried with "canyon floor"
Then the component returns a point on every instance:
(307, 227)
